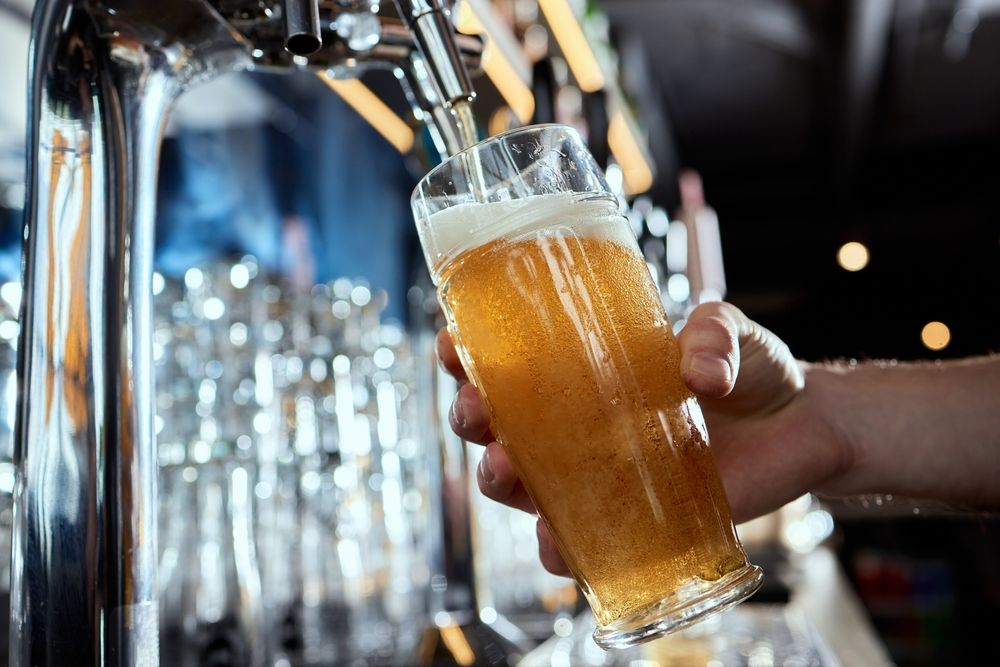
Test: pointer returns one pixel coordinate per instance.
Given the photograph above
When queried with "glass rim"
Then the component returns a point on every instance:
(479, 145)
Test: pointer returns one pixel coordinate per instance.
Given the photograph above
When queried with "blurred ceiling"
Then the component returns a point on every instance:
(814, 122)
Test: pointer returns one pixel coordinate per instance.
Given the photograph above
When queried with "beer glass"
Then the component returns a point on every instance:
(559, 325)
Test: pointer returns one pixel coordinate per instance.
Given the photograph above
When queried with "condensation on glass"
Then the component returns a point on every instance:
(559, 324)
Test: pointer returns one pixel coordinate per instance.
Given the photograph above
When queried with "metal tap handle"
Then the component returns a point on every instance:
(302, 32)
(430, 22)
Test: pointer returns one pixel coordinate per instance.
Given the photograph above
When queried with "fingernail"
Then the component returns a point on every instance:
(486, 468)
(712, 366)
(458, 411)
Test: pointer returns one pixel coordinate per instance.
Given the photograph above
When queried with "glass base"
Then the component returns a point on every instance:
(672, 614)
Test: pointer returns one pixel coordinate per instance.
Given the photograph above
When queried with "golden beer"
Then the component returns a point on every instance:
(560, 326)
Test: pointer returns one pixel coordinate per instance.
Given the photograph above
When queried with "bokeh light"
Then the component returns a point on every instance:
(853, 256)
(935, 335)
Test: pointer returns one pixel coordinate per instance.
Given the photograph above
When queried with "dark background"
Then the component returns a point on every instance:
(813, 123)
(816, 122)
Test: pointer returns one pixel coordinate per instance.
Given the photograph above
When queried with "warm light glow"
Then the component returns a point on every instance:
(935, 335)
(459, 646)
(573, 43)
(500, 120)
(360, 98)
(467, 22)
(502, 74)
(496, 64)
(637, 173)
(852, 256)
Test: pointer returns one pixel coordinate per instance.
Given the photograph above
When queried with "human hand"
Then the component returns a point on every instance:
(770, 442)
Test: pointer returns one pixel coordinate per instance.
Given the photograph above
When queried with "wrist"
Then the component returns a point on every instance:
(834, 404)
(919, 429)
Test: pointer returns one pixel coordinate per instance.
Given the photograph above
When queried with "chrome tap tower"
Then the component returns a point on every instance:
(103, 77)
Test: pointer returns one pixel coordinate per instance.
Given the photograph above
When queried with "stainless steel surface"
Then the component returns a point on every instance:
(442, 57)
(302, 33)
(423, 94)
(430, 22)
(103, 76)
(84, 526)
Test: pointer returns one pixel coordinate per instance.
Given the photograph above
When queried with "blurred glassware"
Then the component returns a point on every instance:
(210, 600)
(10, 301)
(750, 635)
(287, 432)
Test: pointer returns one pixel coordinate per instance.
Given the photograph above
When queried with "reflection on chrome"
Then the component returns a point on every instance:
(103, 76)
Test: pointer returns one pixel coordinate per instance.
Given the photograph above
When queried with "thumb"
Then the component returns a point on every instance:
(710, 349)
(726, 354)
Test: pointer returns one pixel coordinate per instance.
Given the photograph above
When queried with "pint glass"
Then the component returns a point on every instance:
(559, 325)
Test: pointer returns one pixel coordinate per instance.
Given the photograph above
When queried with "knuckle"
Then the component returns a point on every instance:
(714, 329)
(727, 313)
(729, 310)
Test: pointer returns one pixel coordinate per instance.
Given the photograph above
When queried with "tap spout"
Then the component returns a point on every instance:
(302, 33)
(433, 32)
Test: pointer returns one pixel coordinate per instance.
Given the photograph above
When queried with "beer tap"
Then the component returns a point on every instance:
(302, 32)
(103, 77)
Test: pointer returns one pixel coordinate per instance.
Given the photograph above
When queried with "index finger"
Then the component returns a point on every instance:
(448, 356)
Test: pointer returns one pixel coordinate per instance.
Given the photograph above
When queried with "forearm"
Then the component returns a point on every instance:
(924, 430)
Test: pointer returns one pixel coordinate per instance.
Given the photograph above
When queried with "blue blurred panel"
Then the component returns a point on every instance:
(317, 192)
(216, 199)
(10, 244)
(314, 191)
(357, 187)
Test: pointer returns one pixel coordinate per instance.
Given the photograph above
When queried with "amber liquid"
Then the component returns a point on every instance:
(564, 334)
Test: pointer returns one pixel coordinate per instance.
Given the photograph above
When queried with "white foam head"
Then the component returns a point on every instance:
(455, 230)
